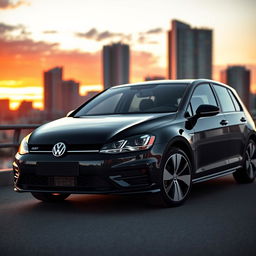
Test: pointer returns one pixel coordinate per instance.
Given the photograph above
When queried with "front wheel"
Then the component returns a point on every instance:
(50, 197)
(176, 179)
(247, 173)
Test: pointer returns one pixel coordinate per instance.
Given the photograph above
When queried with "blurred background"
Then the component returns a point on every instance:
(56, 54)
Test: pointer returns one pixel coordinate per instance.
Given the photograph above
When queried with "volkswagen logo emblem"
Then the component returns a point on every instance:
(59, 149)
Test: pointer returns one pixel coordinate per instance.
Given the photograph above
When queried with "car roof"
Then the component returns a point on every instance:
(178, 81)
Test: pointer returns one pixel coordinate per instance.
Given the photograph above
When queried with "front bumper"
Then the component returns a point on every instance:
(92, 173)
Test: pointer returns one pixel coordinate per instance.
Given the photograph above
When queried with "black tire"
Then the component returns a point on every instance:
(176, 179)
(247, 173)
(50, 197)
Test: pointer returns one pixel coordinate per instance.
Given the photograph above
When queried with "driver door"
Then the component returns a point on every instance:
(209, 134)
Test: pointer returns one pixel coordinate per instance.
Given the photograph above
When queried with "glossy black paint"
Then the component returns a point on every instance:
(215, 144)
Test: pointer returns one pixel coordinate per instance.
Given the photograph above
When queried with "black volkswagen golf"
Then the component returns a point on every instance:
(158, 137)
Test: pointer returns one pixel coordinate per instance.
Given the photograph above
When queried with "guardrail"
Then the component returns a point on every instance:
(16, 136)
(6, 175)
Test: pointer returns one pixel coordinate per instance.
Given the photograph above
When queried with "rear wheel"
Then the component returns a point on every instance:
(50, 197)
(175, 179)
(247, 173)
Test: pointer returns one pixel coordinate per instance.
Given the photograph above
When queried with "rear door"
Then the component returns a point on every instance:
(236, 124)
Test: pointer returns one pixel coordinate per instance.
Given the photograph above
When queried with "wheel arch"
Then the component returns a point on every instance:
(253, 137)
(181, 143)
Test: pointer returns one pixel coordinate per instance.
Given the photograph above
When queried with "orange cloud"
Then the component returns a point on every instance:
(143, 64)
(7, 4)
(22, 62)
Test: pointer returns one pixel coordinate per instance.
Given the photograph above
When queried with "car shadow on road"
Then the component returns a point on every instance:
(201, 194)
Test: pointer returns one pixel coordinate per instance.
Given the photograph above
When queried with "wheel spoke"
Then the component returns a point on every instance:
(169, 187)
(183, 169)
(251, 173)
(249, 149)
(173, 158)
(252, 150)
(253, 161)
(167, 175)
(177, 192)
(185, 179)
(247, 163)
(178, 160)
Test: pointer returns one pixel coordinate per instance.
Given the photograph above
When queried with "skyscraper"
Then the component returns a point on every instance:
(189, 52)
(70, 95)
(239, 78)
(116, 64)
(52, 91)
(25, 108)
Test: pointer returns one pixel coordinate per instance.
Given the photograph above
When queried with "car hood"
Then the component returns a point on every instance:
(93, 129)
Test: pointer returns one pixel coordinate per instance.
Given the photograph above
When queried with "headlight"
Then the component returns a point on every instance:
(135, 143)
(23, 149)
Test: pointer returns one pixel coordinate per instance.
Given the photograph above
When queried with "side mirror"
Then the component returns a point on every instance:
(69, 113)
(207, 110)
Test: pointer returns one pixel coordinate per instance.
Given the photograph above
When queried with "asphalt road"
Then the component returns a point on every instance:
(218, 219)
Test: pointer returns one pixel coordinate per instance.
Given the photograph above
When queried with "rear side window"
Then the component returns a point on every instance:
(235, 101)
(225, 99)
(202, 95)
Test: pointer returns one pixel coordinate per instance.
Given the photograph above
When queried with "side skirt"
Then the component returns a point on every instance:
(216, 175)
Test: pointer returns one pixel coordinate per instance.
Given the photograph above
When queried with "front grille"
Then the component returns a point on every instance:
(70, 148)
(84, 183)
(28, 179)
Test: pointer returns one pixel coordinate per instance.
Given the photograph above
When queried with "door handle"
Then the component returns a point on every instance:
(223, 122)
(243, 119)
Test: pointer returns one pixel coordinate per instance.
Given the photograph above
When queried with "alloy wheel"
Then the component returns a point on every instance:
(177, 177)
(250, 159)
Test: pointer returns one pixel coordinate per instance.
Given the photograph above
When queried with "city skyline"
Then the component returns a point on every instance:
(32, 44)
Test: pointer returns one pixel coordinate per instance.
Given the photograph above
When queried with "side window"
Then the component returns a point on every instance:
(202, 95)
(225, 99)
(235, 101)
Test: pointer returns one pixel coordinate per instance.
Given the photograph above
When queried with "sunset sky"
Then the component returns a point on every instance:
(36, 35)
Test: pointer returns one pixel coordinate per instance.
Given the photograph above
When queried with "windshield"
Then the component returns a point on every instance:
(135, 99)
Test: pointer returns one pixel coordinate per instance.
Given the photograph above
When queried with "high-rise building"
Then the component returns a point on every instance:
(25, 108)
(189, 52)
(4, 105)
(239, 78)
(91, 94)
(4, 108)
(52, 91)
(116, 64)
(70, 95)
(154, 77)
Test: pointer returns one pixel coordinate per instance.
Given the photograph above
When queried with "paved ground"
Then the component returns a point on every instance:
(219, 219)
